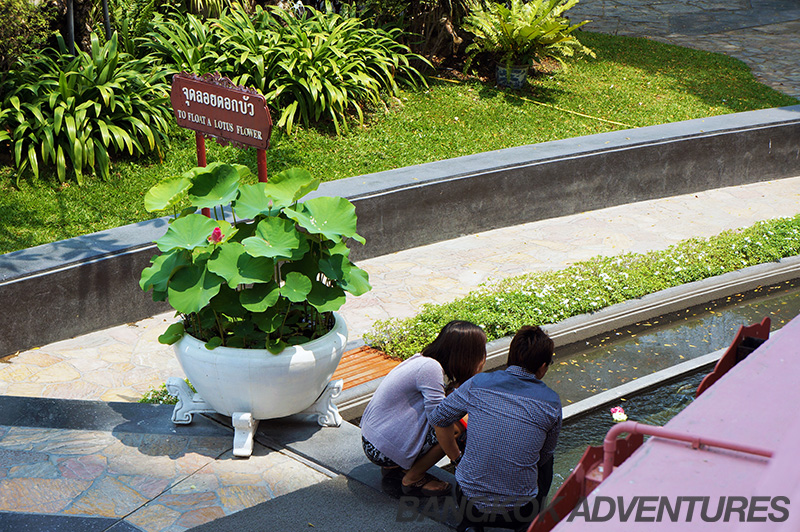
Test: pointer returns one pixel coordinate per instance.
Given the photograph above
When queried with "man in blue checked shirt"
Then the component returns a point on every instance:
(514, 421)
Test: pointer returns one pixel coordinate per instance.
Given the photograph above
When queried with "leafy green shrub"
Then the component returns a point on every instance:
(501, 308)
(518, 32)
(321, 65)
(185, 43)
(24, 28)
(131, 20)
(326, 63)
(74, 111)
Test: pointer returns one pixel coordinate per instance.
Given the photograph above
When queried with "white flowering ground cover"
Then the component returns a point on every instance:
(541, 298)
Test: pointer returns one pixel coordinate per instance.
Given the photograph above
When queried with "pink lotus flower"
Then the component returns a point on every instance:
(618, 414)
(216, 236)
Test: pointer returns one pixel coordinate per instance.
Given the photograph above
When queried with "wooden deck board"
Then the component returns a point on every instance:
(363, 365)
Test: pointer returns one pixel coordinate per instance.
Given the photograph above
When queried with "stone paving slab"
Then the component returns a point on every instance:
(128, 464)
(116, 364)
(336, 505)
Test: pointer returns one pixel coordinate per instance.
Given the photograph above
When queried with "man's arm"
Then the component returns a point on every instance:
(550, 441)
(545, 465)
(453, 408)
(544, 480)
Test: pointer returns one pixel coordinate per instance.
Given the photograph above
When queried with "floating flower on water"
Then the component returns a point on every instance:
(216, 236)
(618, 414)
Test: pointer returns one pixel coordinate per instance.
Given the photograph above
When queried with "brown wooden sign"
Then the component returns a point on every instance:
(214, 106)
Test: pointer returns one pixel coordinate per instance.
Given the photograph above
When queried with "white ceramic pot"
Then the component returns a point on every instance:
(233, 380)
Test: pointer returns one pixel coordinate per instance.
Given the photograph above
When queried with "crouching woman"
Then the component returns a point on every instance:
(395, 430)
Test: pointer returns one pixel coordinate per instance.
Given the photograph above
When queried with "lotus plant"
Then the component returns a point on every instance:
(265, 272)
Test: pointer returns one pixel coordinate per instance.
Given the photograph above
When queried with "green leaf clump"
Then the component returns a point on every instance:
(517, 32)
(269, 279)
(161, 396)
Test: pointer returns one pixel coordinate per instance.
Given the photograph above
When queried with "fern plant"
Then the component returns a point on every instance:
(73, 111)
(519, 32)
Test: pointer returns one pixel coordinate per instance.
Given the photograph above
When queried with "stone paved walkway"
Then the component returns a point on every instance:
(122, 363)
(116, 364)
(143, 473)
(765, 34)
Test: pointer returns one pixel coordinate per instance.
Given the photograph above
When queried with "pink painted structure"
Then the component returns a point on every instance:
(739, 439)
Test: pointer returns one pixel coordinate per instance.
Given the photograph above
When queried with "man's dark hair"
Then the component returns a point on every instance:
(459, 348)
(530, 348)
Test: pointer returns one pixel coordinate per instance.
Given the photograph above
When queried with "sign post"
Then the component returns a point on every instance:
(212, 106)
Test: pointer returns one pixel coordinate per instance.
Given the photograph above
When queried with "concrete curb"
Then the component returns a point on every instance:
(353, 401)
(640, 385)
(648, 382)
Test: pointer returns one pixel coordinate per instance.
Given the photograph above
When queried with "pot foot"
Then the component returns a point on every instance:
(327, 412)
(189, 402)
(245, 427)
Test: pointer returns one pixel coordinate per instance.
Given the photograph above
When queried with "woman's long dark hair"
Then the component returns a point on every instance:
(459, 348)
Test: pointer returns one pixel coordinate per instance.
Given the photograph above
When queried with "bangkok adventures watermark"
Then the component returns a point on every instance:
(649, 509)
(637, 509)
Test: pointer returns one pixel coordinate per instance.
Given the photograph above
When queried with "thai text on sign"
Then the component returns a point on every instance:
(214, 106)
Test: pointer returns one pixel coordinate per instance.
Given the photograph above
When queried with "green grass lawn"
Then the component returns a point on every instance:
(635, 82)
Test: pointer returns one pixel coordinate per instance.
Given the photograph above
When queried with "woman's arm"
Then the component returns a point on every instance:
(449, 411)
(447, 439)
(431, 385)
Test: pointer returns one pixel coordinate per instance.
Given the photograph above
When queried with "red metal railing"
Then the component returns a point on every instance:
(632, 427)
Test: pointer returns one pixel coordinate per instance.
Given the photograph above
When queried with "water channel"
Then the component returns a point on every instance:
(653, 408)
(603, 362)
(619, 356)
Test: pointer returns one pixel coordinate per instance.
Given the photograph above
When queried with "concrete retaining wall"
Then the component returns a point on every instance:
(421, 204)
(71, 287)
